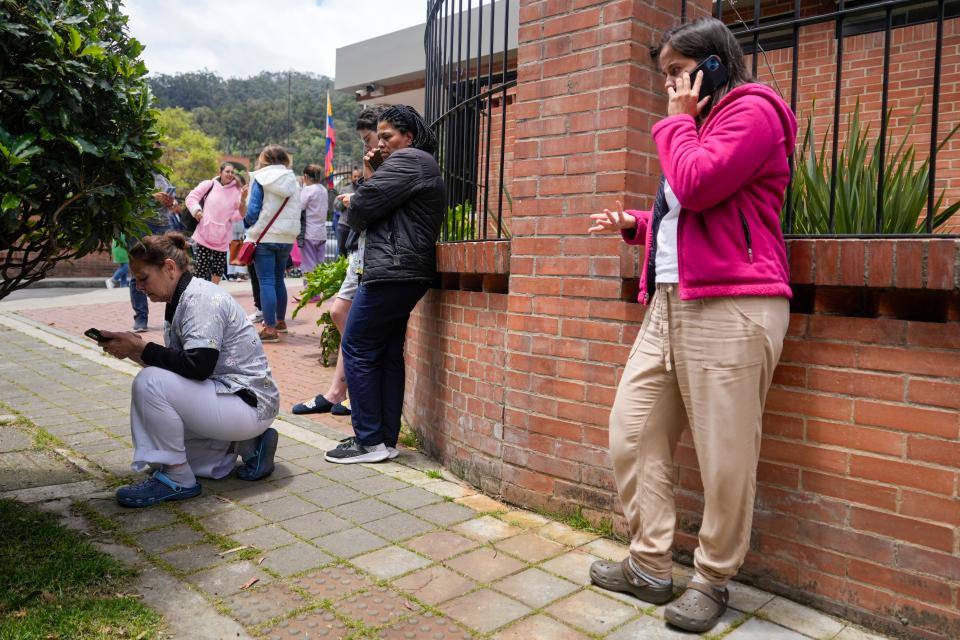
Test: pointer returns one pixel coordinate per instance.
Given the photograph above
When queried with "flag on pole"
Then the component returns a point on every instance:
(331, 143)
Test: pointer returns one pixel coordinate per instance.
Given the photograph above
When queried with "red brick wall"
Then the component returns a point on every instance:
(95, 265)
(858, 505)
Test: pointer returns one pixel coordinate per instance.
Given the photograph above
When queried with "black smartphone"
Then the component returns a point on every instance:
(376, 159)
(714, 75)
(94, 334)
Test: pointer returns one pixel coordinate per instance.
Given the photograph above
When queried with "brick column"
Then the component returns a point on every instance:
(587, 97)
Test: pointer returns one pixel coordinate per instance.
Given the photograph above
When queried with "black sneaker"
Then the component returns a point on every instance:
(350, 451)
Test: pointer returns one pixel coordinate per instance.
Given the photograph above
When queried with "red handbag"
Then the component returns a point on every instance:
(247, 249)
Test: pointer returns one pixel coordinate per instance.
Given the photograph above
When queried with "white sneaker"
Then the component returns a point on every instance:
(110, 283)
(352, 452)
(392, 452)
(256, 316)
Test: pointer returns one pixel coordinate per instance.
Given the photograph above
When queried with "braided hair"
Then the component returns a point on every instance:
(406, 120)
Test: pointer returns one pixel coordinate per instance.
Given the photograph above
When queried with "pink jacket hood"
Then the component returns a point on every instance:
(729, 176)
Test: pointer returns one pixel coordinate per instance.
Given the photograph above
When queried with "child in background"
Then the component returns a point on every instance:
(120, 277)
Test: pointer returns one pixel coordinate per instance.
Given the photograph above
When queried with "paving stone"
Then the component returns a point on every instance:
(530, 547)
(535, 588)
(746, 598)
(302, 483)
(257, 605)
(563, 534)
(377, 606)
(265, 538)
(390, 562)
(333, 583)
(232, 521)
(142, 519)
(318, 624)
(524, 519)
(295, 558)
(757, 629)
(350, 542)
(294, 451)
(313, 463)
(26, 469)
(650, 628)
(426, 626)
(378, 485)
(252, 493)
(800, 618)
(435, 585)
(345, 472)
(854, 633)
(75, 438)
(314, 525)
(574, 566)
(487, 529)
(364, 510)
(729, 618)
(406, 474)
(284, 508)
(484, 610)
(205, 505)
(540, 627)
(592, 612)
(332, 496)
(399, 526)
(607, 549)
(485, 564)
(162, 539)
(285, 470)
(444, 513)
(190, 559)
(410, 498)
(481, 503)
(101, 445)
(228, 579)
(441, 545)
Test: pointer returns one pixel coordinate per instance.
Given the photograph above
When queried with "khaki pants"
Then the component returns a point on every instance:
(708, 364)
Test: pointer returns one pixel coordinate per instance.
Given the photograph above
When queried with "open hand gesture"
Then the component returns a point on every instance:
(612, 221)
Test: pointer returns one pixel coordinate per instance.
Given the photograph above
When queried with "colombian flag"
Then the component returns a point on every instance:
(331, 143)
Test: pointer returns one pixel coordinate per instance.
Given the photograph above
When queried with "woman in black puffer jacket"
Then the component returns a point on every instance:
(398, 207)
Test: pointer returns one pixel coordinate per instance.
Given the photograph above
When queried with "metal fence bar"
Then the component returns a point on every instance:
(937, 68)
(838, 86)
(884, 97)
(794, 82)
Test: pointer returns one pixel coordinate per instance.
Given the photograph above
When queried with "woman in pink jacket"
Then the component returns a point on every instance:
(216, 206)
(715, 280)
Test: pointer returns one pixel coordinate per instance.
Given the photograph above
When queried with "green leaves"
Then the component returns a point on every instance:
(905, 188)
(77, 139)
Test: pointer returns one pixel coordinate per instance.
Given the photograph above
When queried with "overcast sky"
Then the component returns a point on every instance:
(239, 38)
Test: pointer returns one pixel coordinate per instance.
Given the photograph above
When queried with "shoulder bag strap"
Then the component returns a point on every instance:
(272, 220)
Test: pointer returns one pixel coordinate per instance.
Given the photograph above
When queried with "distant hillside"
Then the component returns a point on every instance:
(246, 114)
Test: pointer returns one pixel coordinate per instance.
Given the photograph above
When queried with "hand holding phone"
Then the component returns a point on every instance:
(373, 158)
(714, 75)
(94, 334)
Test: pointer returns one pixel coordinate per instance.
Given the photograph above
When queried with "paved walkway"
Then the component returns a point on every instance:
(318, 551)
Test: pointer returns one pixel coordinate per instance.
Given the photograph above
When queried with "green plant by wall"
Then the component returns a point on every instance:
(461, 222)
(324, 283)
(906, 184)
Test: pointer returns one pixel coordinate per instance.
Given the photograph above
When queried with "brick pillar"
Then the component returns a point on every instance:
(587, 97)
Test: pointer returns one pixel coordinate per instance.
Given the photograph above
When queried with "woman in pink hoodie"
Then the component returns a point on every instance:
(716, 282)
(216, 206)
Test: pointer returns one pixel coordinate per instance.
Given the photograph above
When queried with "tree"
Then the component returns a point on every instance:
(191, 155)
(78, 141)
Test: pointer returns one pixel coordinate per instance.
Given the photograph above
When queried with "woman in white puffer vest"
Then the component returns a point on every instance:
(273, 222)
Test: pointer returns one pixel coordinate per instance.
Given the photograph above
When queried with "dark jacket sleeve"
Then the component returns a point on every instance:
(195, 364)
(394, 182)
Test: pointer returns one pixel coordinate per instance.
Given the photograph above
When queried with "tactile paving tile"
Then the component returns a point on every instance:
(376, 607)
(256, 606)
(310, 626)
(333, 583)
(425, 627)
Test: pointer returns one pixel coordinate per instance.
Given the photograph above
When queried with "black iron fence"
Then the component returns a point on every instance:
(471, 68)
(855, 180)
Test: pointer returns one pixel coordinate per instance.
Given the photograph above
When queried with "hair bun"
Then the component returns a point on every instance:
(178, 239)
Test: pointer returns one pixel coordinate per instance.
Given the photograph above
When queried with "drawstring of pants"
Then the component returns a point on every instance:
(662, 306)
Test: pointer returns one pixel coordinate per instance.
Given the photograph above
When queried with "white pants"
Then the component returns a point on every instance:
(175, 420)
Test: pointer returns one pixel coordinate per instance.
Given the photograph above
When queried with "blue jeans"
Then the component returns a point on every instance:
(121, 275)
(271, 263)
(138, 299)
(373, 358)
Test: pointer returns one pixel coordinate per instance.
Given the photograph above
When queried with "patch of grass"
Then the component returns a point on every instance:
(434, 473)
(408, 437)
(576, 520)
(55, 584)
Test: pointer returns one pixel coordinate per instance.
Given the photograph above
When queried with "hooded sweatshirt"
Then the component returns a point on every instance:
(220, 209)
(275, 183)
(729, 177)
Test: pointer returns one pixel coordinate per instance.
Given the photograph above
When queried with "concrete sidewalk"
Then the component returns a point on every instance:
(359, 551)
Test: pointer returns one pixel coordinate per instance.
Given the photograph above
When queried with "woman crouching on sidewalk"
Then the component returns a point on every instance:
(716, 282)
(205, 397)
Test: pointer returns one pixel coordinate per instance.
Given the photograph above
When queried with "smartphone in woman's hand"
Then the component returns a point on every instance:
(375, 159)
